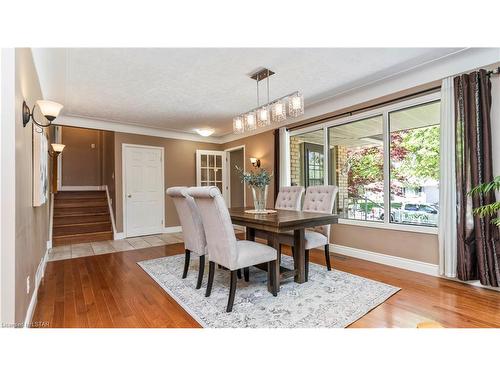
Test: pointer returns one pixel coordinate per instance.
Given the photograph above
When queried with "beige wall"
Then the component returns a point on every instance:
(108, 165)
(260, 146)
(417, 246)
(180, 168)
(81, 164)
(31, 223)
(237, 187)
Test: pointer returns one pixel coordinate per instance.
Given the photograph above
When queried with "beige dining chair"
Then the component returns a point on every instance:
(289, 198)
(192, 229)
(224, 249)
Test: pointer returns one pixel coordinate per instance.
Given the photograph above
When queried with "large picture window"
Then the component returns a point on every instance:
(385, 163)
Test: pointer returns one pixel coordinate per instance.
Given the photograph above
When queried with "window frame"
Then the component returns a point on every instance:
(384, 112)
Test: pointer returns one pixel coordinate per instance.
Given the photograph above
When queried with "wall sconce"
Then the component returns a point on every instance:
(49, 109)
(57, 148)
(255, 162)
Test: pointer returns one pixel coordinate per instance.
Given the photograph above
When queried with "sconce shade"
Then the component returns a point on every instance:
(255, 162)
(49, 109)
(57, 147)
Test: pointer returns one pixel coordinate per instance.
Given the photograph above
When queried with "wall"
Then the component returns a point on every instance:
(237, 187)
(108, 166)
(31, 222)
(81, 164)
(260, 146)
(180, 168)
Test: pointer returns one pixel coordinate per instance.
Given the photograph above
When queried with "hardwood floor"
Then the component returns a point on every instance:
(111, 290)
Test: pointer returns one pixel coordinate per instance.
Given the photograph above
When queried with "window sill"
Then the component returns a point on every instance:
(391, 226)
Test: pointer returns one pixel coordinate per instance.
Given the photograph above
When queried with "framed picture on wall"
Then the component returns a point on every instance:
(40, 167)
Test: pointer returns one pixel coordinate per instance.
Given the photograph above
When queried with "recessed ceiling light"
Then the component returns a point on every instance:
(205, 132)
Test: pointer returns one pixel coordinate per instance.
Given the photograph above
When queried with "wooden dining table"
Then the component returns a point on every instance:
(277, 227)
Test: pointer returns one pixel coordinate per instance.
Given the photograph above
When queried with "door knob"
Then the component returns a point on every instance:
(129, 195)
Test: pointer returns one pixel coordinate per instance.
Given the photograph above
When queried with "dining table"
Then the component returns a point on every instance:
(282, 227)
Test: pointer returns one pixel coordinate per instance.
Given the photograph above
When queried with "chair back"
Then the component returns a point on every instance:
(289, 198)
(219, 231)
(320, 199)
(190, 218)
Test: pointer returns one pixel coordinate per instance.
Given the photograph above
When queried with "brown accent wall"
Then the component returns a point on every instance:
(31, 223)
(81, 164)
(417, 246)
(260, 146)
(237, 187)
(180, 168)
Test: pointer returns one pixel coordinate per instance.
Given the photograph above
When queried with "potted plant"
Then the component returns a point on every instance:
(259, 182)
(492, 208)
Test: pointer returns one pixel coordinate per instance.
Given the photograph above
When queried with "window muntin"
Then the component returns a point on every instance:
(356, 166)
(414, 164)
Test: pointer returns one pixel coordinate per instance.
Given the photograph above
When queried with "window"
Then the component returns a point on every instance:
(414, 169)
(307, 159)
(385, 163)
(357, 168)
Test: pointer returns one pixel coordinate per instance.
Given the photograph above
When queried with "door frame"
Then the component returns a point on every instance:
(228, 174)
(124, 183)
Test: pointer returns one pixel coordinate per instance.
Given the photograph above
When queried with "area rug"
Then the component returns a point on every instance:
(332, 299)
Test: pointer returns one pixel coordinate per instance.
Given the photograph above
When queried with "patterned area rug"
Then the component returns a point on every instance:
(328, 300)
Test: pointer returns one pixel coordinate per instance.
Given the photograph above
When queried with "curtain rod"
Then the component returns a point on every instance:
(494, 71)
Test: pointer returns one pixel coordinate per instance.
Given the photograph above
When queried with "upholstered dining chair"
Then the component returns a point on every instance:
(224, 249)
(319, 198)
(289, 198)
(192, 229)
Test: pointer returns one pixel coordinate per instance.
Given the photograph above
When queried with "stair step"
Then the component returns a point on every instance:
(79, 238)
(80, 203)
(63, 211)
(81, 218)
(64, 230)
(79, 194)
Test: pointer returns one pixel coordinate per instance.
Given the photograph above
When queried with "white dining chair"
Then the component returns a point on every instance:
(224, 249)
(289, 198)
(192, 229)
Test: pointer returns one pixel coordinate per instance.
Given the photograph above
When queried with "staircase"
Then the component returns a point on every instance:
(80, 216)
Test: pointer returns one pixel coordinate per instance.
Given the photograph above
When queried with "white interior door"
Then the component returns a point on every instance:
(144, 199)
(211, 170)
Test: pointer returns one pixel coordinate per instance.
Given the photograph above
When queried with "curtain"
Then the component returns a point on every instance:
(447, 234)
(284, 157)
(478, 244)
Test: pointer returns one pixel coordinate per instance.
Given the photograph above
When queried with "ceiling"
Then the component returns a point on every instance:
(185, 89)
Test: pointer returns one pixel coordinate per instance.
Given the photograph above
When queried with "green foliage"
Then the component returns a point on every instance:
(260, 179)
(489, 209)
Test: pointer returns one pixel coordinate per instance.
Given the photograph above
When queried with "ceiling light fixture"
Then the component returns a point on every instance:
(275, 111)
(205, 132)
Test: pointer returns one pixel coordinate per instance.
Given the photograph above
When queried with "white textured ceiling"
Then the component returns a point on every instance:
(184, 89)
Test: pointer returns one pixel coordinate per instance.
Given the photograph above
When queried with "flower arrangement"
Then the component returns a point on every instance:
(259, 179)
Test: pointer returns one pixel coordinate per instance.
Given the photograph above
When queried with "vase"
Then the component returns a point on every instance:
(259, 197)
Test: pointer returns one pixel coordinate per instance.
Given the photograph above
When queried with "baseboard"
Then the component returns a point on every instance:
(87, 188)
(40, 272)
(118, 236)
(172, 229)
(388, 260)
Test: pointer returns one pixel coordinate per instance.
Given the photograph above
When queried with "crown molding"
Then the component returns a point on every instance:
(90, 123)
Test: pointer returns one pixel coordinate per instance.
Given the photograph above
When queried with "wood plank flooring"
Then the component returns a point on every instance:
(111, 290)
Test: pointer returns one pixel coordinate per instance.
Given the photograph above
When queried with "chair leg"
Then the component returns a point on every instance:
(186, 263)
(211, 271)
(238, 273)
(201, 269)
(232, 291)
(307, 265)
(327, 257)
(246, 273)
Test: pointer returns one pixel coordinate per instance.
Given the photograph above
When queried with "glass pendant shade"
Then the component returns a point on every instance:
(279, 111)
(238, 127)
(250, 121)
(49, 109)
(296, 105)
(263, 117)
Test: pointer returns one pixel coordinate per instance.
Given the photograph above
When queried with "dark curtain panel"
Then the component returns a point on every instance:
(478, 239)
(276, 163)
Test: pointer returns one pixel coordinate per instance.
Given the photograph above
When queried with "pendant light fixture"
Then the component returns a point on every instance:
(271, 112)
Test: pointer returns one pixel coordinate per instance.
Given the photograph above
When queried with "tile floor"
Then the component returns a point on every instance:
(112, 246)
(103, 247)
